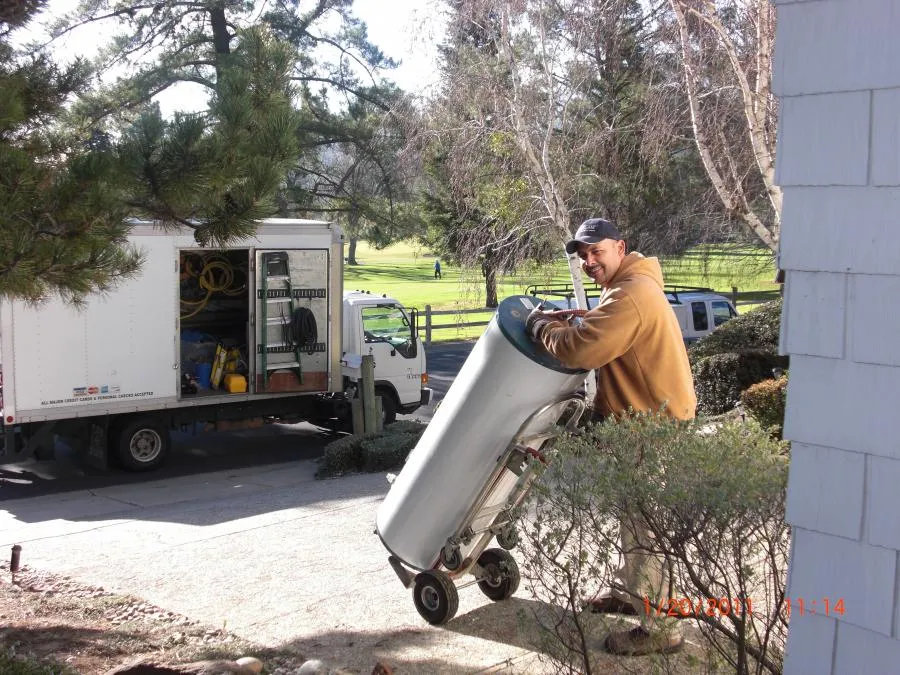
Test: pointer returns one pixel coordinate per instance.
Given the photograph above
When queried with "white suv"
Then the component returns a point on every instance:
(699, 310)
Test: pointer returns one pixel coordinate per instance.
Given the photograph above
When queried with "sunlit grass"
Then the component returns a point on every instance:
(405, 271)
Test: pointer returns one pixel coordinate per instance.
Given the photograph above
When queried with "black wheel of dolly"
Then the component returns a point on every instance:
(501, 574)
(451, 557)
(435, 597)
(508, 537)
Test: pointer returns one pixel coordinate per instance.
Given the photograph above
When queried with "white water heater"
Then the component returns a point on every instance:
(504, 381)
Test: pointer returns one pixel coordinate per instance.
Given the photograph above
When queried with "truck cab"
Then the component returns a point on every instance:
(380, 326)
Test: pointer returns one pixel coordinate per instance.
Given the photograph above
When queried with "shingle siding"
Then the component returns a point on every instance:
(841, 229)
(836, 46)
(825, 490)
(837, 73)
(824, 140)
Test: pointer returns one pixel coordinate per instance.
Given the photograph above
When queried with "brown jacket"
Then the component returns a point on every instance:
(633, 340)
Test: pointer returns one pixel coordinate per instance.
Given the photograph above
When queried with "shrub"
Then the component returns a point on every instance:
(387, 452)
(736, 355)
(720, 379)
(370, 452)
(765, 402)
(756, 331)
(712, 498)
(12, 663)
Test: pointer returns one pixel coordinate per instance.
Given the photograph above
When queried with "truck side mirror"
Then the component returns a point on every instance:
(414, 323)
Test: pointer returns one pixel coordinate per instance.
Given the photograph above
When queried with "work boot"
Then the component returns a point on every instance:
(609, 604)
(639, 641)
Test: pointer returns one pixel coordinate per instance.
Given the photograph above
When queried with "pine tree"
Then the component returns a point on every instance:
(200, 42)
(219, 172)
(67, 190)
(62, 217)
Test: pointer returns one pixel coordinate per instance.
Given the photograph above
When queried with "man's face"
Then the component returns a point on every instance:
(601, 261)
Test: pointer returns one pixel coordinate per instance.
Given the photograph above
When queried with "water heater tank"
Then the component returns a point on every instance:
(505, 379)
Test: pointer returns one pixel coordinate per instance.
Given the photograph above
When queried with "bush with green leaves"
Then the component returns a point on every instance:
(755, 331)
(719, 380)
(765, 401)
(376, 451)
(14, 663)
(735, 356)
(712, 498)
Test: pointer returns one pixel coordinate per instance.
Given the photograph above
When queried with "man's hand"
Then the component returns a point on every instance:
(566, 314)
(536, 322)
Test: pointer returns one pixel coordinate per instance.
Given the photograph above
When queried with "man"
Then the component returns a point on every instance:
(437, 269)
(633, 340)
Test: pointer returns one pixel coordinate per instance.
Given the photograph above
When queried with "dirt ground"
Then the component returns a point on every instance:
(69, 628)
(62, 627)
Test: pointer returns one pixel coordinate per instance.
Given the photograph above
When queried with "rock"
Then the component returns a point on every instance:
(382, 669)
(250, 662)
(313, 667)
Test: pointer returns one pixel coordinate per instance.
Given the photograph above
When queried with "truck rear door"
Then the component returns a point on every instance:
(292, 322)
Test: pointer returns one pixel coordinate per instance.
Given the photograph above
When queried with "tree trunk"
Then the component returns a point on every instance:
(351, 252)
(221, 38)
(757, 108)
(490, 283)
(219, 24)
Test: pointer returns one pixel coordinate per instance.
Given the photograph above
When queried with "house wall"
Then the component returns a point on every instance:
(837, 75)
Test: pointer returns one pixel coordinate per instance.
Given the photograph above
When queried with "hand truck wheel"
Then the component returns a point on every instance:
(508, 537)
(451, 557)
(501, 574)
(435, 597)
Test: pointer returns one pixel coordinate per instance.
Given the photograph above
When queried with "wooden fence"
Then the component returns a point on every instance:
(429, 313)
(738, 298)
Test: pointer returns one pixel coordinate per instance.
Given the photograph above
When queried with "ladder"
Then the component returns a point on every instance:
(276, 269)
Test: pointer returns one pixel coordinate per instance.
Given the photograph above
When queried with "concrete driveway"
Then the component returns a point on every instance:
(258, 547)
(271, 554)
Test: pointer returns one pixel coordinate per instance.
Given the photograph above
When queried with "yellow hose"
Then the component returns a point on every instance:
(212, 263)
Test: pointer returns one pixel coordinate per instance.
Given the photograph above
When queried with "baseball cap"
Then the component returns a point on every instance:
(590, 232)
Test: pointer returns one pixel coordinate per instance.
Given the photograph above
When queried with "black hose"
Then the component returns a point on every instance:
(303, 329)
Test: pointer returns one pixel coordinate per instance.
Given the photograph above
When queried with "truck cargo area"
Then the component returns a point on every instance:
(202, 338)
(214, 311)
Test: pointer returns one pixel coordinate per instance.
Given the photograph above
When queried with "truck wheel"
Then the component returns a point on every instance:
(501, 574)
(435, 597)
(143, 444)
(388, 406)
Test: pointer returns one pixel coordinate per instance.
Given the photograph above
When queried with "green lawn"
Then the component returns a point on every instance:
(406, 272)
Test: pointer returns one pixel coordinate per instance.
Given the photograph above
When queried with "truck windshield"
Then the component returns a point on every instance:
(389, 324)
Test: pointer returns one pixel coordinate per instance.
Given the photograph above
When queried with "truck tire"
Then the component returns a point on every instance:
(388, 406)
(142, 444)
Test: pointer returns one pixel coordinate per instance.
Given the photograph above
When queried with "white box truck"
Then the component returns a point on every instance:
(260, 330)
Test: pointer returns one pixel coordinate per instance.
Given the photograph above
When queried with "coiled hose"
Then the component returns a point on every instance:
(216, 276)
(301, 330)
